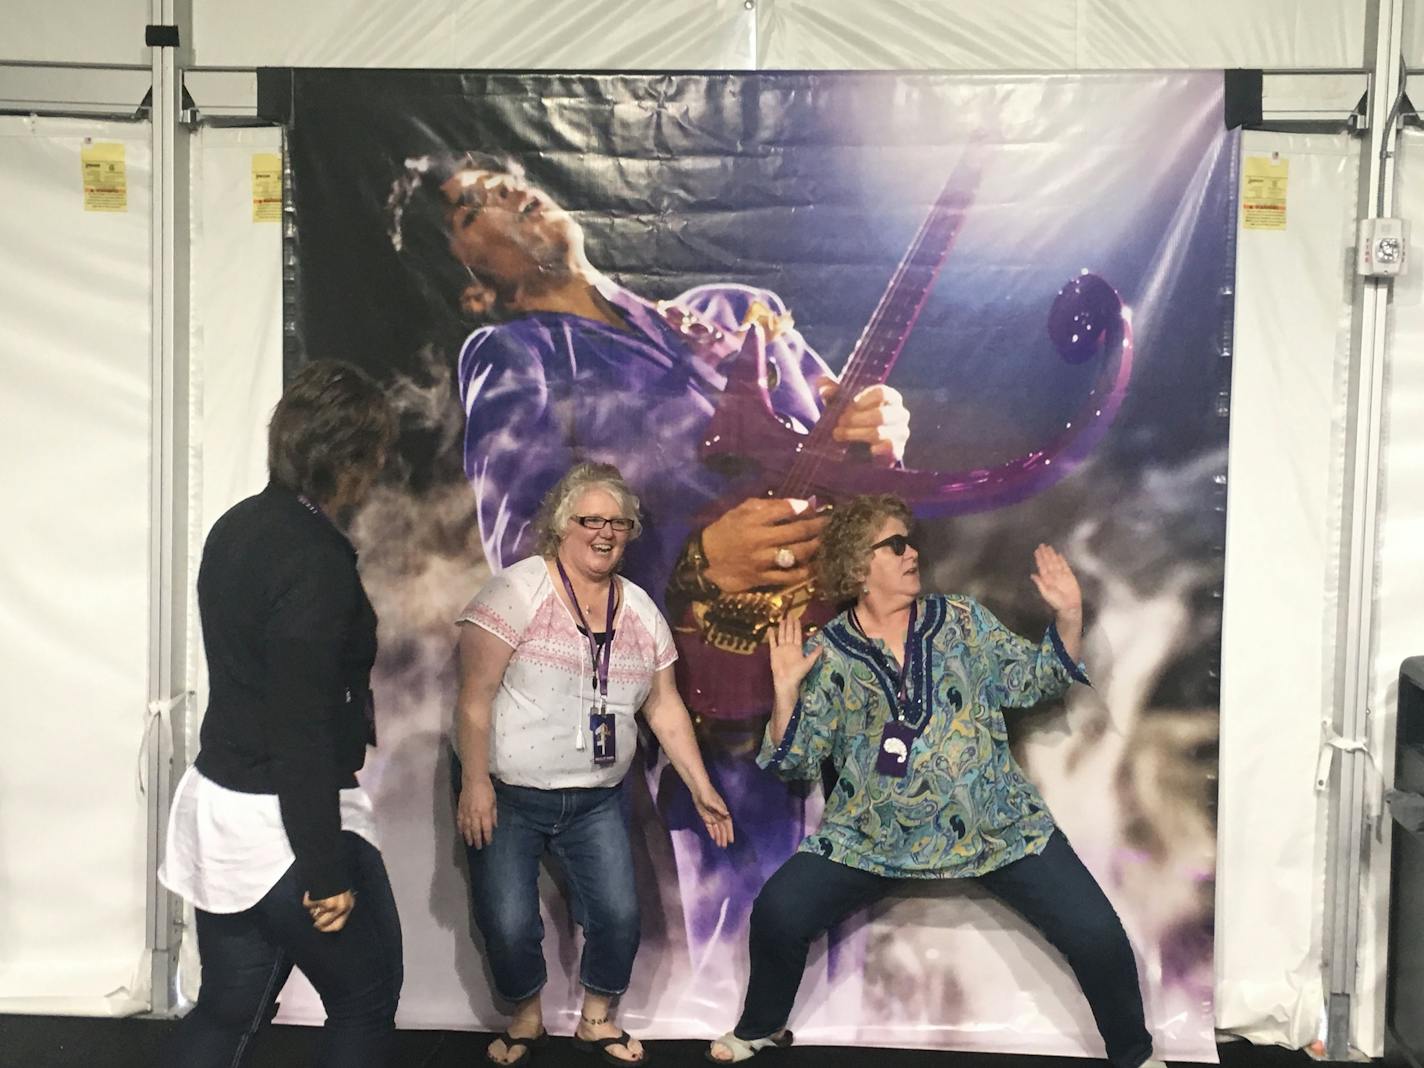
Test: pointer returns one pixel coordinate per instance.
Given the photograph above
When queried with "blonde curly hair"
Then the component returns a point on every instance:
(557, 508)
(844, 559)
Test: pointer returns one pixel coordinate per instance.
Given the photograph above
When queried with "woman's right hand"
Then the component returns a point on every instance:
(476, 816)
(788, 664)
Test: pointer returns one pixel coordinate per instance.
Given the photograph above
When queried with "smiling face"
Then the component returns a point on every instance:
(514, 237)
(891, 577)
(594, 554)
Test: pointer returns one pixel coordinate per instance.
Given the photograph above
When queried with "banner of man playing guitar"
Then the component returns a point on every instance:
(734, 433)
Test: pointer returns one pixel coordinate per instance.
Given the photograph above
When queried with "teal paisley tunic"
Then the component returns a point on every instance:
(963, 808)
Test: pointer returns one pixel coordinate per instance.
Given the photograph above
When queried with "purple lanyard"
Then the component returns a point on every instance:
(601, 657)
(904, 673)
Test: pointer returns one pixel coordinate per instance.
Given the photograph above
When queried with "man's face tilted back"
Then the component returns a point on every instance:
(514, 237)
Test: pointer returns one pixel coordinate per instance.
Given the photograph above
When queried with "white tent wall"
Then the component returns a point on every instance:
(672, 34)
(74, 614)
(1291, 354)
(235, 360)
(1285, 463)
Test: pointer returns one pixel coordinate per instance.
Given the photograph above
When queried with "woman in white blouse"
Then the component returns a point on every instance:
(559, 655)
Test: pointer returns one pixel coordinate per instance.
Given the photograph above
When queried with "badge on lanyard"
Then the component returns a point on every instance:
(899, 736)
(601, 725)
(604, 732)
(894, 756)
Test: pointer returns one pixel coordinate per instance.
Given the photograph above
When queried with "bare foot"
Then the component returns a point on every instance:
(632, 1053)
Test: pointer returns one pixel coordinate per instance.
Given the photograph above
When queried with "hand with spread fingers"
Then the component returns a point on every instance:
(788, 664)
(329, 914)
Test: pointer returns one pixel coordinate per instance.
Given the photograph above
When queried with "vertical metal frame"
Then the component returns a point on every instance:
(168, 487)
(1347, 840)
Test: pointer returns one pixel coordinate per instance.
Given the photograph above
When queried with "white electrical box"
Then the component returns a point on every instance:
(1382, 248)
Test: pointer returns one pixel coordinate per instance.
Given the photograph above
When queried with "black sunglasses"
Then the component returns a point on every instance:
(896, 543)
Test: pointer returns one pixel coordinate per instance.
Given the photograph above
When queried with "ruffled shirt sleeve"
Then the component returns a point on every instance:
(1025, 672)
(814, 731)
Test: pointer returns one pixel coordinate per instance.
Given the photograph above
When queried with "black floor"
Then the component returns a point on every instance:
(79, 1042)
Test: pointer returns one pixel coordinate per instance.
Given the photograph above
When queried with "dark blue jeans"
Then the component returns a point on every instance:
(248, 955)
(1052, 890)
(588, 832)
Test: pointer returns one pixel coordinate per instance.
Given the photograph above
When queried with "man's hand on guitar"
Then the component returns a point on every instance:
(877, 418)
(744, 547)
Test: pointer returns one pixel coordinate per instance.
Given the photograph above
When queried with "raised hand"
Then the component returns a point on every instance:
(788, 664)
(1056, 583)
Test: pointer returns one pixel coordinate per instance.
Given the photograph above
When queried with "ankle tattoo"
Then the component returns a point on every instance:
(593, 1022)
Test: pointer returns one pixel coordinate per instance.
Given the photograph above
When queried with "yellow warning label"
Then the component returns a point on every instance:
(266, 187)
(1263, 192)
(106, 184)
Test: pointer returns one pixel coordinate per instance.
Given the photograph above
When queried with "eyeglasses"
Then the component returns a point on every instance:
(598, 522)
(896, 543)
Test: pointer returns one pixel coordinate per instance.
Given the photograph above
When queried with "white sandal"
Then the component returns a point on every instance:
(745, 1048)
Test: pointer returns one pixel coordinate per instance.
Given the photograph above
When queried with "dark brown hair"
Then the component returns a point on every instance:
(332, 419)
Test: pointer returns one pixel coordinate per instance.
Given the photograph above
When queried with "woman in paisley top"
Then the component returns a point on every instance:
(904, 694)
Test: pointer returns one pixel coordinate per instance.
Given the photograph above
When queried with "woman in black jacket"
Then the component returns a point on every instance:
(270, 836)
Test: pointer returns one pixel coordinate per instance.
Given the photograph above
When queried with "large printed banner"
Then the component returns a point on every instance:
(1040, 267)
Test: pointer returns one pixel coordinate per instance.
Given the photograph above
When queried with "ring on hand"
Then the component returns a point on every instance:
(785, 558)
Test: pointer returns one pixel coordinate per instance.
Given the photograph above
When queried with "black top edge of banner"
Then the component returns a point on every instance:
(274, 94)
(276, 85)
(1243, 88)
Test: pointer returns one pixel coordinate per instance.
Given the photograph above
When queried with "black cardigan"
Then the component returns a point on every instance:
(290, 639)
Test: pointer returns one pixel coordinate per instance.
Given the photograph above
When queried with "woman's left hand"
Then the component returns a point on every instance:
(715, 816)
(1056, 582)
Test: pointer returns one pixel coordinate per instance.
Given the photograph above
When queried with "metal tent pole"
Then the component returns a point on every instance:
(1347, 838)
(168, 477)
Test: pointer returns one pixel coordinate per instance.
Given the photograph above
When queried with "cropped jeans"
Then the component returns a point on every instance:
(587, 831)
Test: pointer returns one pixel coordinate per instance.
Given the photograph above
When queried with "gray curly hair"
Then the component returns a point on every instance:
(557, 509)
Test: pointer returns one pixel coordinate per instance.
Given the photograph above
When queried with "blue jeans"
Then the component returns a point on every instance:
(588, 832)
(248, 955)
(1052, 890)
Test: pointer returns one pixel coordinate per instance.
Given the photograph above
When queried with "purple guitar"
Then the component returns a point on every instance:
(723, 666)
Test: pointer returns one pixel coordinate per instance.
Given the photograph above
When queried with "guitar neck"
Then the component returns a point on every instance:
(889, 327)
(884, 336)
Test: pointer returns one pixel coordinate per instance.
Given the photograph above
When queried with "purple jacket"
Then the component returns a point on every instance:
(546, 391)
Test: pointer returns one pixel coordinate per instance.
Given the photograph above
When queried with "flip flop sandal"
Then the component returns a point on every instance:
(746, 1048)
(510, 1043)
(600, 1046)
